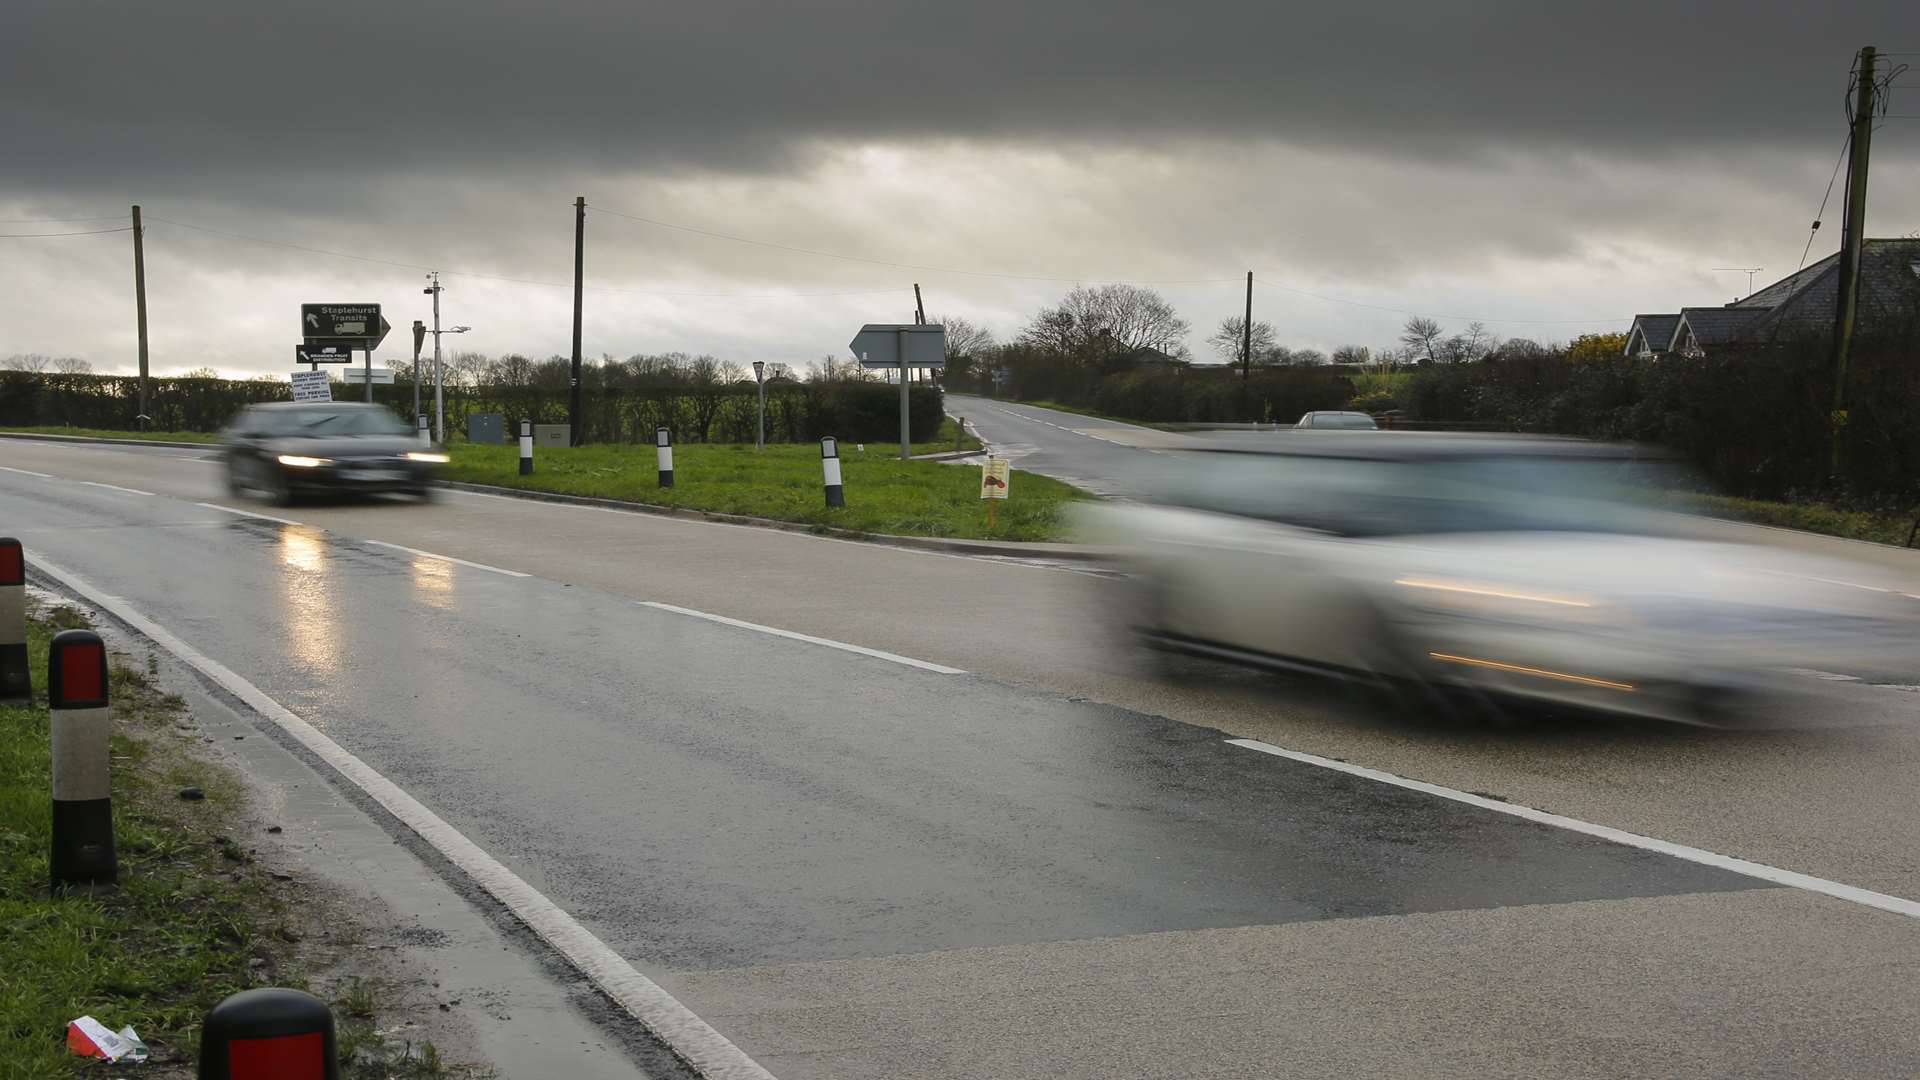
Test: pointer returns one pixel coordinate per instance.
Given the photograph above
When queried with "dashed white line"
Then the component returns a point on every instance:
(711, 1054)
(1791, 879)
(249, 513)
(117, 487)
(26, 472)
(446, 558)
(796, 636)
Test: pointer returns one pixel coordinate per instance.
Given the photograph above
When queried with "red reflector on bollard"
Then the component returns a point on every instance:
(13, 566)
(77, 671)
(289, 1057)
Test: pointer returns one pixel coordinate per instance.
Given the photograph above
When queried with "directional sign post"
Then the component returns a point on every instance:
(352, 326)
(381, 375)
(903, 346)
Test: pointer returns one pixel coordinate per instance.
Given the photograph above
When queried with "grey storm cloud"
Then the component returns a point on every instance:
(91, 90)
(1545, 161)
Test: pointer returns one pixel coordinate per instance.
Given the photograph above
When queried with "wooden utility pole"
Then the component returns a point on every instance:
(1852, 239)
(140, 313)
(919, 309)
(1246, 334)
(576, 435)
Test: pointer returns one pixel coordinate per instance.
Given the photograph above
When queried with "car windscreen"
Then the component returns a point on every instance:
(1345, 421)
(1369, 497)
(322, 423)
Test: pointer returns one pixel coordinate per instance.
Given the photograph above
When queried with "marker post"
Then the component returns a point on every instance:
(16, 679)
(663, 441)
(79, 724)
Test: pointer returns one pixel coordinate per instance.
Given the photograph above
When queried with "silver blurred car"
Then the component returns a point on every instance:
(1511, 568)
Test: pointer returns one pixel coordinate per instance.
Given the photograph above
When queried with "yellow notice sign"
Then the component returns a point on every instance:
(994, 475)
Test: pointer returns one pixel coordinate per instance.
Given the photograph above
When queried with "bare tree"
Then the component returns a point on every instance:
(965, 340)
(198, 373)
(1423, 336)
(1304, 358)
(1351, 354)
(28, 361)
(1100, 324)
(465, 368)
(1226, 340)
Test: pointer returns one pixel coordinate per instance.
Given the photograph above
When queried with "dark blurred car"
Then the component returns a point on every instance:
(1337, 421)
(285, 450)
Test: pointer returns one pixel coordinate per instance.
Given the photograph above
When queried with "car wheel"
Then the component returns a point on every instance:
(425, 494)
(277, 488)
(234, 486)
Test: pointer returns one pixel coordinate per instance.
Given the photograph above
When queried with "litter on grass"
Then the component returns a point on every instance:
(91, 1038)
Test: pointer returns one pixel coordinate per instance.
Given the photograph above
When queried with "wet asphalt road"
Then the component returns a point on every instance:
(1090, 453)
(804, 842)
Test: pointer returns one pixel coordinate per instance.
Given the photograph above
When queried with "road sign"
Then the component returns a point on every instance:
(311, 386)
(322, 354)
(877, 345)
(380, 375)
(995, 473)
(328, 324)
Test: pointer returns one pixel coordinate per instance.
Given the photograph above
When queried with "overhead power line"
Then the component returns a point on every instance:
(1262, 282)
(512, 280)
(904, 265)
(1079, 280)
(60, 220)
(76, 232)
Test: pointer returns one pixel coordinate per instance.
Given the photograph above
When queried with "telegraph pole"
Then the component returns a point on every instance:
(579, 267)
(140, 313)
(919, 309)
(1852, 239)
(1246, 334)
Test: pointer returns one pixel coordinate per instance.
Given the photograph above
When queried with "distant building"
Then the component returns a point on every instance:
(1796, 306)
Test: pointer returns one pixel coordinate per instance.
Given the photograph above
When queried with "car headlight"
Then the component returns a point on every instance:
(431, 459)
(299, 462)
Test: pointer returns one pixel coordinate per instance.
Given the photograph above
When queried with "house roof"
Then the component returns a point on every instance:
(1715, 325)
(1656, 329)
(1803, 301)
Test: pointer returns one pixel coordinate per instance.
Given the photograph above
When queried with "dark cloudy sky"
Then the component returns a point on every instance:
(1550, 167)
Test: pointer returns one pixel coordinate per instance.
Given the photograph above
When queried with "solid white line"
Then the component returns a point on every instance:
(248, 513)
(828, 642)
(710, 1053)
(1773, 874)
(116, 487)
(446, 558)
(27, 472)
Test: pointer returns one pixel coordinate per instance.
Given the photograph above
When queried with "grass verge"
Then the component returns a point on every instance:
(1880, 528)
(103, 433)
(884, 494)
(193, 918)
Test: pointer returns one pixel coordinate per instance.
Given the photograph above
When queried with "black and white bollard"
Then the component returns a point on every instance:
(663, 440)
(830, 471)
(526, 448)
(79, 723)
(269, 1034)
(420, 428)
(16, 682)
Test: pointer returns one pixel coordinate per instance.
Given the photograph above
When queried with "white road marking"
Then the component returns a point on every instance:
(116, 487)
(828, 642)
(710, 1053)
(1763, 872)
(250, 513)
(446, 558)
(27, 472)
(1815, 673)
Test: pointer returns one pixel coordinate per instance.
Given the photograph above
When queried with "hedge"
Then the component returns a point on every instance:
(796, 412)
